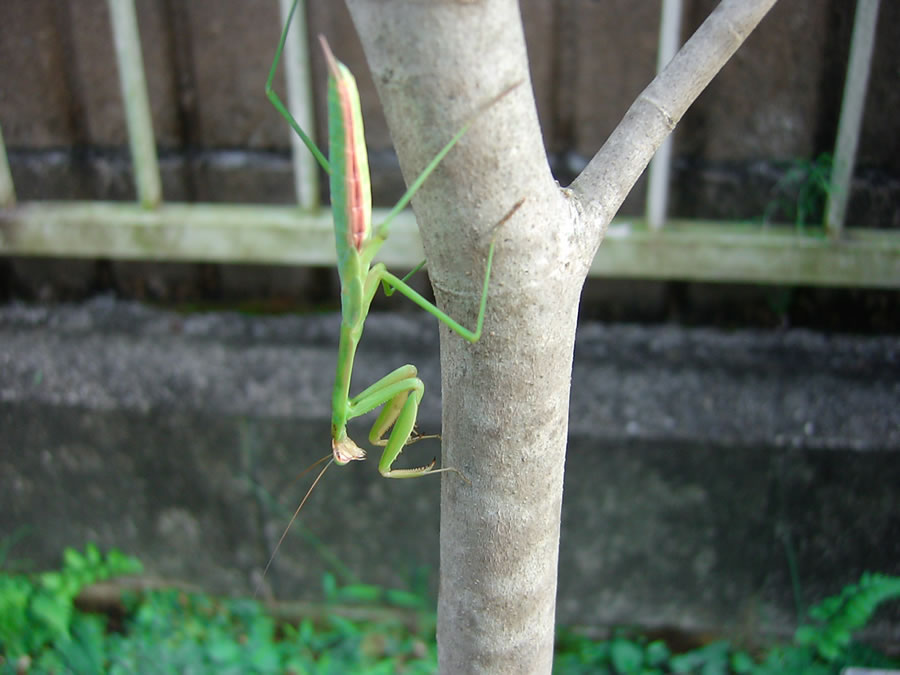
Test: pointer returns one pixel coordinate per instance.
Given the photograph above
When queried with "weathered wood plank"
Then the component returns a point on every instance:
(689, 250)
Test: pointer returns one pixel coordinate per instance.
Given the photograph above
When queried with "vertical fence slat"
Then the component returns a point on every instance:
(661, 164)
(134, 97)
(7, 189)
(298, 79)
(852, 106)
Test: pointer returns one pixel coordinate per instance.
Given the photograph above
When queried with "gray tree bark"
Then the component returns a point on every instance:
(505, 398)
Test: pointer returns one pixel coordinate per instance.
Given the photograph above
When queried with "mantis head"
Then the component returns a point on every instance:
(346, 451)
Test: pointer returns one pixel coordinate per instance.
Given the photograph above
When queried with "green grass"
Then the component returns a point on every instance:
(173, 631)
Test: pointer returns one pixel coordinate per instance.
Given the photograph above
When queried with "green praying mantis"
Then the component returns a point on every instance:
(357, 242)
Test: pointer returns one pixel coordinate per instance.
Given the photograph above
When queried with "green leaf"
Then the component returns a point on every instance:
(657, 653)
(305, 631)
(717, 667)
(119, 563)
(84, 653)
(359, 593)
(627, 656)
(92, 553)
(266, 659)
(223, 652)
(806, 635)
(52, 581)
(742, 662)
(405, 599)
(329, 586)
(262, 629)
(73, 560)
(384, 667)
(53, 612)
(345, 627)
(712, 656)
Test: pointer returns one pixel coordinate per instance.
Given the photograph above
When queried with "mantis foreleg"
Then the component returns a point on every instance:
(400, 393)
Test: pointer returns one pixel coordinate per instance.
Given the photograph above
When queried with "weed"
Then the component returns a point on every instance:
(172, 631)
(37, 613)
(800, 194)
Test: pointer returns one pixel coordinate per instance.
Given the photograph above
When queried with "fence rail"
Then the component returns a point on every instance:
(654, 248)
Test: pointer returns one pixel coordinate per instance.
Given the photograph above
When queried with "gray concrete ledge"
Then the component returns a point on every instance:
(701, 465)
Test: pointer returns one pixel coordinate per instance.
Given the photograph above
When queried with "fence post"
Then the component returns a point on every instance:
(661, 164)
(298, 79)
(137, 106)
(852, 106)
(7, 189)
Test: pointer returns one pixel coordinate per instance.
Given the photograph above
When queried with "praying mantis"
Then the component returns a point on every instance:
(357, 241)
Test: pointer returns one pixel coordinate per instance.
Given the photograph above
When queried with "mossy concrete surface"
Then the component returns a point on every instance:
(703, 466)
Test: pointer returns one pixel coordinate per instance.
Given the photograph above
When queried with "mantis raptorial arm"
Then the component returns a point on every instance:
(357, 242)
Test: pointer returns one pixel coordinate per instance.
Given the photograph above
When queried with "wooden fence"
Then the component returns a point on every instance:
(652, 247)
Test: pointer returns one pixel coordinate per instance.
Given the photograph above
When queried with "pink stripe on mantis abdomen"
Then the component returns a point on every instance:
(357, 216)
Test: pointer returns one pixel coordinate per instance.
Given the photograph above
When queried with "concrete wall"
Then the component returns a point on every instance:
(699, 464)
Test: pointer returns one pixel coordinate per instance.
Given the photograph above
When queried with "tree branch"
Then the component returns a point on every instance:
(605, 182)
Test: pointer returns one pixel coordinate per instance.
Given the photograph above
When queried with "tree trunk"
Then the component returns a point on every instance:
(505, 398)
